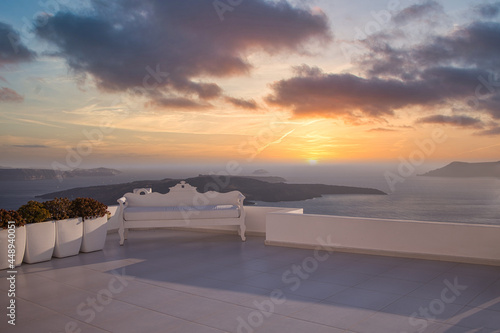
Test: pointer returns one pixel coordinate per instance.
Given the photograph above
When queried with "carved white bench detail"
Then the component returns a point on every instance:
(182, 206)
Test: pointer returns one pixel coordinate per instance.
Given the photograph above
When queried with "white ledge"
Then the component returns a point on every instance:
(472, 243)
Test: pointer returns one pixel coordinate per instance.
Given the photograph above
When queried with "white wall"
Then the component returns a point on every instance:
(434, 240)
(255, 219)
(113, 221)
(256, 216)
(431, 240)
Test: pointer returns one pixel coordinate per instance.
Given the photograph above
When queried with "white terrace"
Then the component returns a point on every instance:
(191, 281)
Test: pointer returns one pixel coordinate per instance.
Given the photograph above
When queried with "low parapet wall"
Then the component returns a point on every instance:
(472, 243)
(255, 220)
(428, 240)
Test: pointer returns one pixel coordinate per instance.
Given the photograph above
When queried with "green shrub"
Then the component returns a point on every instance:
(10, 215)
(88, 208)
(59, 208)
(34, 212)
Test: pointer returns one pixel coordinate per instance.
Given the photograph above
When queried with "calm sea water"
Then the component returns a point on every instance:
(470, 200)
(13, 194)
(418, 198)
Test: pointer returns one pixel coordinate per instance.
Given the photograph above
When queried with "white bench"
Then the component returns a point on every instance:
(182, 206)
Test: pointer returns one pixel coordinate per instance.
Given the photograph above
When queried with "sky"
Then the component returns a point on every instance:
(152, 82)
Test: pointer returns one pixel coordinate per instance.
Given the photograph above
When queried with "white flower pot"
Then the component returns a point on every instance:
(94, 234)
(69, 234)
(19, 243)
(40, 241)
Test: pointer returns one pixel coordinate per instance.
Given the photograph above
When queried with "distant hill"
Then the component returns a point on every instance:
(269, 179)
(38, 174)
(253, 189)
(463, 169)
(260, 172)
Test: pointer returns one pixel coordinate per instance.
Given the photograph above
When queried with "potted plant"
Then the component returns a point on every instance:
(40, 232)
(94, 216)
(68, 227)
(12, 239)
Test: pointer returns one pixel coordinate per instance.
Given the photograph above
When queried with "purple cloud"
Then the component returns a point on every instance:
(314, 93)
(490, 132)
(8, 95)
(488, 10)
(457, 69)
(12, 50)
(461, 121)
(242, 103)
(165, 47)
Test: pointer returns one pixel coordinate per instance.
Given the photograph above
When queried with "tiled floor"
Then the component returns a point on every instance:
(174, 281)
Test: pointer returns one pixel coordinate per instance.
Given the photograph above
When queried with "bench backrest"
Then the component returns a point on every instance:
(183, 194)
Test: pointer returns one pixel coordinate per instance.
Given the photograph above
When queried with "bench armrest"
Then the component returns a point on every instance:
(123, 202)
(121, 228)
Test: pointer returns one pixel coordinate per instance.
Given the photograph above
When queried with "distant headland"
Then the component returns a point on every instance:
(254, 189)
(463, 169)
(18, 174)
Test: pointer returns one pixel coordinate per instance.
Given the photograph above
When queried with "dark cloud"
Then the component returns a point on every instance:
(490, 132)
(489, 102)
(488, 10)
(177, 103)
(8, 95)
(11, 49)
(167, 46)
(461, 121)
(473, 46)
(421, 11)
(312, 92)
(243, 103)
(30, 146)
(454, 69)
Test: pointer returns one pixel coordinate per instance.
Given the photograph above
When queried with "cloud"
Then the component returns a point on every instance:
(11, 49)
(167, 46)
(474, 45)
(30, 146)
(243, 103)
(490, 102)
(381, 129)
(421, 11)
(487, 10)
(8, 95)
(314, 93)
(177, 103)
(462, 65)
(490, 132)
(462, 121)
(446, 68)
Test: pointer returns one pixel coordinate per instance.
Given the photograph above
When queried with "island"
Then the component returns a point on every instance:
(253, 189)
(19, 174)
(464, 169)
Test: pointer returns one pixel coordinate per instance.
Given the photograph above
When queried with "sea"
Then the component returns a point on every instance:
(411, 197)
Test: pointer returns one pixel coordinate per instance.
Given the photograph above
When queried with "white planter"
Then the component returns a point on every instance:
(94, 234)
(40, 241)
(19, 242)
(69, 234)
